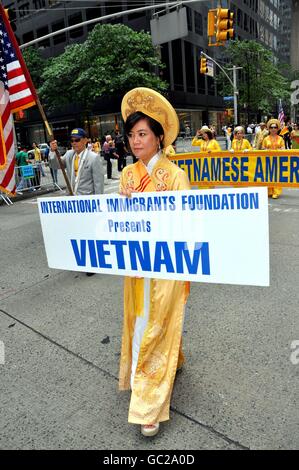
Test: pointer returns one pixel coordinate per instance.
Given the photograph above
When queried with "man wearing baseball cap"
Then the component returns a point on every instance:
(84, 167)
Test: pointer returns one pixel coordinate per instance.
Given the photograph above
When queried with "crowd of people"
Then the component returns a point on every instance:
(289, 131)
(265, 136)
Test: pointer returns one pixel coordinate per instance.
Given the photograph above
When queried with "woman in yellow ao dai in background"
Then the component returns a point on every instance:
(239, 144)
(273, 142)
(209, 144)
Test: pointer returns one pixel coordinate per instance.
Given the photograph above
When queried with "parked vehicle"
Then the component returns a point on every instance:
(42, 148)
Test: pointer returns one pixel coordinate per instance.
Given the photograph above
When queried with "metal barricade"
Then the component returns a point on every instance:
(6, 198)
(37, 176)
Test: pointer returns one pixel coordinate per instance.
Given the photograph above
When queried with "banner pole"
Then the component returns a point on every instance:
(51, 136)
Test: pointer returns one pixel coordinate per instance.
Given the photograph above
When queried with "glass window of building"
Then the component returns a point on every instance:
(75, 19)
(165, 59)
(189, 18)
(189, 66)
(245, 22)
(177, 65)
(27, 37)
(92, 13)
(198, 25)
(240, 18)
(40, 32)
(60, 38)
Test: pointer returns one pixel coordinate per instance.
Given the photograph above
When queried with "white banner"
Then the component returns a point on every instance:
(218, 235)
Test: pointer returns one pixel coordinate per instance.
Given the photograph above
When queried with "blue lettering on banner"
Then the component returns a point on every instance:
(259, 173)
(185, 260)
(74, 206)
(229, 201)
(294, 169)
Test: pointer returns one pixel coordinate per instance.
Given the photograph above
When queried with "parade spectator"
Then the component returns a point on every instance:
(260, 135)
(295, 136)
(239, 143)
(213, 129)
(53, 162)
(37, 166)
(249, 129)
(96, 146)
(120, 150)
(273, 142)
(228, 135)
(22, 161)
(153, 308)
(109, 152)
(286, 135)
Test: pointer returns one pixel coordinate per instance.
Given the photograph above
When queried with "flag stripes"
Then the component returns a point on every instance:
(16, 92)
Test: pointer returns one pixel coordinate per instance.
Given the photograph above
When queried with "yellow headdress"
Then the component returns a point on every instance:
(154, 105)
(273, 121)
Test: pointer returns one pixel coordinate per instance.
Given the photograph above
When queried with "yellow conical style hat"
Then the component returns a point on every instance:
(154, 105)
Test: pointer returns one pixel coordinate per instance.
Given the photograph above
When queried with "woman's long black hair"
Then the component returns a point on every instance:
(154, 125)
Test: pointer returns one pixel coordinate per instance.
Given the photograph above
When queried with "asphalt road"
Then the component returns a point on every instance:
(61, 333)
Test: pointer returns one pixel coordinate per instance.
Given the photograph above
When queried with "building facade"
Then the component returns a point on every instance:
(193, 95)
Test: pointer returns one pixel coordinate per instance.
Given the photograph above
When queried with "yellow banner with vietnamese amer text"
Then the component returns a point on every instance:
(253, 168)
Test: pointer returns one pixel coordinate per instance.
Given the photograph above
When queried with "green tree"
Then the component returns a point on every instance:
(35, 64)
(112, 60)
(261, 82)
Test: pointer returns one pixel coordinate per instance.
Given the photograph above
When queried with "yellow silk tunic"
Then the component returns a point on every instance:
(197, 142)
(275, 143)
(160, 352)
(239, 145)
(210, 146)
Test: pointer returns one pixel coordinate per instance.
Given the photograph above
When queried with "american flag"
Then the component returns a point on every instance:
(16, 92)
(281, 116)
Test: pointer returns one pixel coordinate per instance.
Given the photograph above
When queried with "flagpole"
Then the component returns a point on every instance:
(51, 135)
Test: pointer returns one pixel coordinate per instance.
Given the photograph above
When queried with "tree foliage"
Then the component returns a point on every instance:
(35, 64)
(261, 82)
(112, 60)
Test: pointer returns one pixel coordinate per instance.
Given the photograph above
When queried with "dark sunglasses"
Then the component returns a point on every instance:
(273, 127)
(75, 140)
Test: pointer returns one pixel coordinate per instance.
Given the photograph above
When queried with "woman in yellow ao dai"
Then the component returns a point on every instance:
(273, 142)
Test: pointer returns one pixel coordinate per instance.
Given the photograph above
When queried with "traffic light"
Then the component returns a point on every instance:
(224, 25)
(211, 23)
(203, 65)
(12, 17)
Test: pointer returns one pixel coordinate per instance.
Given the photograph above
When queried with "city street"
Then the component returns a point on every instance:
(61, 333)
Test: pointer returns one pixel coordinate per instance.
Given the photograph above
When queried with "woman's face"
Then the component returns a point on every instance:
(205, 136)
(273, 129)
(143, 142)
(239, 135)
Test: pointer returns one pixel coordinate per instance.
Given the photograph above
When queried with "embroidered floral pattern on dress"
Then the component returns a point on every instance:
(162, 176)
(130, 181)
